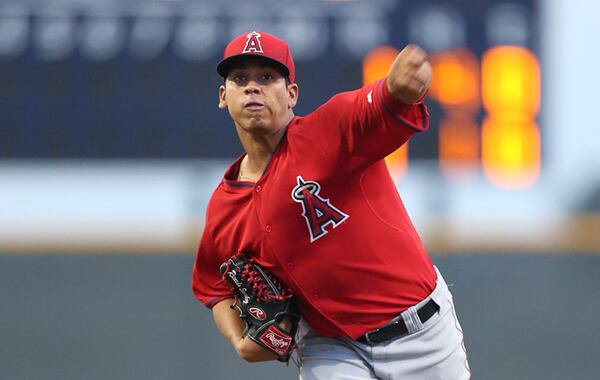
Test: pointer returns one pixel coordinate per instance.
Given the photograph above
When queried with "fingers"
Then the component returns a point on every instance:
(413, 55)
(419, 78)
(410, 75)
(424, 74)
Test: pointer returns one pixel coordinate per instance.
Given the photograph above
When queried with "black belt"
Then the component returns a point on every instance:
(398, 328)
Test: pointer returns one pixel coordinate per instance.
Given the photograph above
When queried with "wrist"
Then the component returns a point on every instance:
(398, 96)
(391, 102)
(252, 352)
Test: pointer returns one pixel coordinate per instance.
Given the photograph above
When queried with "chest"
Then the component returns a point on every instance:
(293, 201)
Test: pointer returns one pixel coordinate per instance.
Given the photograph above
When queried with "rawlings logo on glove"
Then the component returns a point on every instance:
(262, 303)
(276, 342)
(257, 313)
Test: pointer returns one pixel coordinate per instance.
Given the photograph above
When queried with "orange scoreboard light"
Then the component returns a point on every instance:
(511, 144)
(488, 113)
(456, 87)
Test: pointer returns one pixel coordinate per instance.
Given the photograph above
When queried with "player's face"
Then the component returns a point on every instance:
(257, 96)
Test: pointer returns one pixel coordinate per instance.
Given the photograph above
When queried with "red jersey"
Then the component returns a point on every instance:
(326, 217)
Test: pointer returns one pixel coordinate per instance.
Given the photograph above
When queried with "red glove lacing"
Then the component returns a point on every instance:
(263, 291)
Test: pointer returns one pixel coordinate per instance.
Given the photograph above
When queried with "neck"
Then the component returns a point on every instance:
(260, 147)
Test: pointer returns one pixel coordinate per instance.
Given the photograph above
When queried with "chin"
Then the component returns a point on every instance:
(257, 124)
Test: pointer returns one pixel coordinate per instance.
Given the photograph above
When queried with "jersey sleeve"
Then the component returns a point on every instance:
(364, 126)
(207, 284)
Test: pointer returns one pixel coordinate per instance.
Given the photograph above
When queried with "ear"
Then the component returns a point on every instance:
(292, 89)
(222, 100)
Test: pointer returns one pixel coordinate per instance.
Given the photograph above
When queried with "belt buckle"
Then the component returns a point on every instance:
(369, 333)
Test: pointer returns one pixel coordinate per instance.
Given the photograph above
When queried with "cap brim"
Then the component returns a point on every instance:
(228, 63)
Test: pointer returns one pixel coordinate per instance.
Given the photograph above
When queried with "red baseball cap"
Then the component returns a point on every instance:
(258, 44)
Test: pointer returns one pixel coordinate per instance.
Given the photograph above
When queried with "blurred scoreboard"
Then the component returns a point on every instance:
(486, 93)
(136, 79)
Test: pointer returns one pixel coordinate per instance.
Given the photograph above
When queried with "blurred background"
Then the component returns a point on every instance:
(111, 144)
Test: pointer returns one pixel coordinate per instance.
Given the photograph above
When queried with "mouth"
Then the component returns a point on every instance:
(254, 106)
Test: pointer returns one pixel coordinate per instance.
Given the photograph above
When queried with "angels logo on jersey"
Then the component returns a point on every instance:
(317, 211)
(253, 43)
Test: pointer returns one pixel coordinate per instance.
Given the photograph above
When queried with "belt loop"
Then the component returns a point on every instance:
(411, 320)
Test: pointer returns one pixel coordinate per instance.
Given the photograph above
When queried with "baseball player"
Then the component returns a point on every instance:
(312, 204)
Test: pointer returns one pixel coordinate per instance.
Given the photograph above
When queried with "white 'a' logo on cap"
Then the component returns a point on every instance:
(253, 43)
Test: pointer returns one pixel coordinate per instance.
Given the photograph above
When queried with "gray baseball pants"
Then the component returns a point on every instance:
(433, 350)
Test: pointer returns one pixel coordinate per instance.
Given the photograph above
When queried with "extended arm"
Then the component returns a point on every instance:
(358, 128)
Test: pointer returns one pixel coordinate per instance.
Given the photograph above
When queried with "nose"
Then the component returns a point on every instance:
(252, 88)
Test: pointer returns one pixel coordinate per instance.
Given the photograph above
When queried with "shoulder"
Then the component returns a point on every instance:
(219, 193)
(345, 104)
(333, 108)
(215, 199)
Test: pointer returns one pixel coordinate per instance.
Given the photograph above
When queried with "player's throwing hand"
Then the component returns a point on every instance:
(410, 75)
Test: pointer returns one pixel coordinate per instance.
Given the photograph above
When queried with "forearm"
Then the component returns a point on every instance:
(232, 328)
(228, 321)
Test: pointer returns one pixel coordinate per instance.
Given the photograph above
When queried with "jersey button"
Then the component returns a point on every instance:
(258, 188)
(290, 265)
(269, 228)
(316, 295)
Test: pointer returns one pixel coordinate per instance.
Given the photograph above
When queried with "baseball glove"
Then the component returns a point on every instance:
(262, 303)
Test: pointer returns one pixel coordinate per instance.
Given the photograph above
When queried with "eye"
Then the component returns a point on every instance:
(267, 76)
(239, 78)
